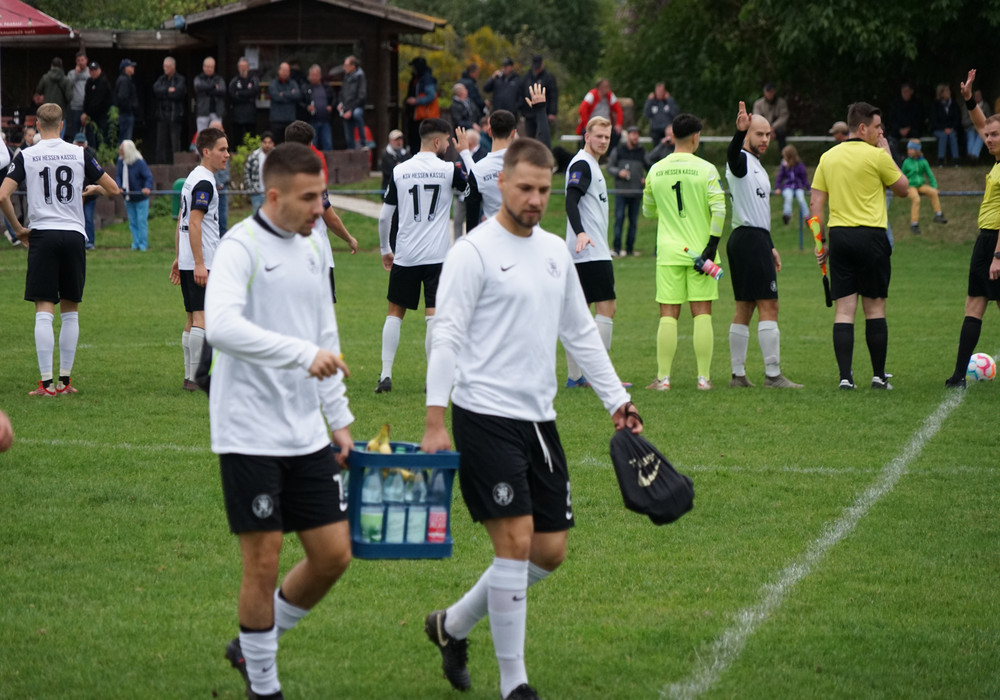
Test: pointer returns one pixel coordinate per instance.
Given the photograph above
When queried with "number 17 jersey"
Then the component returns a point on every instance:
(54, 174)
(681, 192)
(421, 188)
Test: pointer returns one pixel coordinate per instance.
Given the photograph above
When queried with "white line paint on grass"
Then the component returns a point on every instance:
(727, 647)
(90, 445)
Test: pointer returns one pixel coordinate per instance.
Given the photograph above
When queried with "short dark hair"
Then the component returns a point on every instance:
(861, 113)
(529, 150)
(299, 132)
(57, 62)
(266, 135)
(434, 126)
(685, 125)
(207, 138)
(288, 160)
(502, 124)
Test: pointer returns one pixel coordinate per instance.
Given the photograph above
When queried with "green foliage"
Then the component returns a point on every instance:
(821, 57)
(238, 159)
(121, 14)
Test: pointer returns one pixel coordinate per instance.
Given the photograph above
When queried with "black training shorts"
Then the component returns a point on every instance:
(512, 467)
(57, 266)
(404, 285)
(751, 264)
(859, 261)
(287, 494)
(980, 284)
(597, 279)
(194, 293)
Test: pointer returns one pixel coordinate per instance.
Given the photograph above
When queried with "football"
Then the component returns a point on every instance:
(982, 368)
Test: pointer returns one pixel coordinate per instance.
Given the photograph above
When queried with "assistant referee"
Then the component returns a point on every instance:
(852, 176)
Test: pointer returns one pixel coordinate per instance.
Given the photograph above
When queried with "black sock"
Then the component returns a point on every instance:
(877, 337)
(48, 382)
(64, 379)
(843, 348)
(967, 340)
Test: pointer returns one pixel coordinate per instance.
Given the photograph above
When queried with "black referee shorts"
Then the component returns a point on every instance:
(57, 266)
(980, 284)
(859, 262)
(597, 279)
(404, 285)
(751, 265)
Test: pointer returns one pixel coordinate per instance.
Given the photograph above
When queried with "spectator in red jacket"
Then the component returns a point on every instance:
(601, 102)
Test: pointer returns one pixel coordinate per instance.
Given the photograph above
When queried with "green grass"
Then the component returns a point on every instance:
(120, 577)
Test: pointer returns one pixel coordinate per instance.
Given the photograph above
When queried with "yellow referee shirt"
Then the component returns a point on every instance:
(684, 194)
(854, 174)
(989, 210)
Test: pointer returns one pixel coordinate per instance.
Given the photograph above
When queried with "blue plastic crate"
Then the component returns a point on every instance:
(408, 458)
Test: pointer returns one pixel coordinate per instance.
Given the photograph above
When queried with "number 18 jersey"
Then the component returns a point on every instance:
(682, 193)
(421, 188)
(54, 174)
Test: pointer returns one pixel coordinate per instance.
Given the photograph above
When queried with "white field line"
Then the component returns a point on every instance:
(727, 647)
(127, 446)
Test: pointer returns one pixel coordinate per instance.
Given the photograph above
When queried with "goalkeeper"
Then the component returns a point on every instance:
(684, 194)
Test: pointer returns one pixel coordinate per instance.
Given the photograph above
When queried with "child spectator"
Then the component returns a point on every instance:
(921, 181)
(792, 182)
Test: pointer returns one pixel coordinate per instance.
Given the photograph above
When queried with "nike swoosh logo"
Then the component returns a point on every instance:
(266, 669)
(268, 269)
(504, 269)
(516, 599)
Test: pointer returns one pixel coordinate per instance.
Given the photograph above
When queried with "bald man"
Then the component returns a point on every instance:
(753, 260)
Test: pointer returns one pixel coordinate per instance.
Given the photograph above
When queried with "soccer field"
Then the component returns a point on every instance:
(842, 544)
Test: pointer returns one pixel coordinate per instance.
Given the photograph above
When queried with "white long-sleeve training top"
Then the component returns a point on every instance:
(502, 302)
(268, 309)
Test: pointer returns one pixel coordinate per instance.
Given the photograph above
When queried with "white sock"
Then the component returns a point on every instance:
(427, 336)
(45, 343)
(390, 343)
(536, 574)
(770, 347)
(573, 370)
(196, 342)
(604, 327)
(739, 339)
(260, 650)
(508, 608)
(186, 344)
(467, 612)
(461, 617)
(69, 336)
(286, 615)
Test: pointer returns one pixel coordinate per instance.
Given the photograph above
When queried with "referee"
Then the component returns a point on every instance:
(753, 260)
(853, 176)
(56, 175)
(984, 268)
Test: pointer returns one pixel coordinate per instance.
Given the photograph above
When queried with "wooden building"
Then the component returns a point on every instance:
(267, 32)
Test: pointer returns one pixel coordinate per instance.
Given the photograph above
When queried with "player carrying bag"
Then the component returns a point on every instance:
(649, 484)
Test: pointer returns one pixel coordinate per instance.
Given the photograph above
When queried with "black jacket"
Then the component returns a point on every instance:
(126, 95)
(170, 105)
(547, 81)
(243, 97)
(97, 99)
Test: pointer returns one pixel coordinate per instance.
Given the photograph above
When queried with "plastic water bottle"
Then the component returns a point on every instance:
(416, 508)
(707, 266)
(437, 516)
(395, 511)
(371, 507)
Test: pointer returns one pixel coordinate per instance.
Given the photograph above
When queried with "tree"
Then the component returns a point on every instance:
(121, 14)
(821, 57)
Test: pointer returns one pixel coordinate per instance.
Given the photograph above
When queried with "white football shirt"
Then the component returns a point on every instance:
(585, 174)
(199, 192)
(54, 174)
(422, 189)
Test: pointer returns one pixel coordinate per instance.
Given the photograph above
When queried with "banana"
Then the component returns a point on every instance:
(380, 443)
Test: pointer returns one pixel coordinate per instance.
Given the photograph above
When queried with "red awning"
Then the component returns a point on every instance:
(19, 19)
